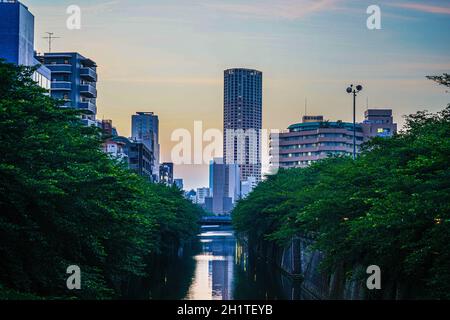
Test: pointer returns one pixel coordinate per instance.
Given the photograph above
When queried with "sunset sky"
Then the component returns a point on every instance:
(168, 56)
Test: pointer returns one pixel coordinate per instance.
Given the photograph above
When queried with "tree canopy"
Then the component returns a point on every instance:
(389, 207)
(65, 202)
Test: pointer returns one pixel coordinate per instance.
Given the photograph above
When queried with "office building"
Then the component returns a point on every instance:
(140, 158)
(166, 173)
(378, 123)
(243, 121)
(17, 39)
(310, 141)
(145, 128)
(74, 81)
(179, 183)
(202, 194)
(314, 139)
(219, 202)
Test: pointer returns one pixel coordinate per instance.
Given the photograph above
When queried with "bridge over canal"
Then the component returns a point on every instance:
(215, 220)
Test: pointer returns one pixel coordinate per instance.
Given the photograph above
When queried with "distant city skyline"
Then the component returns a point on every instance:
(168, 57)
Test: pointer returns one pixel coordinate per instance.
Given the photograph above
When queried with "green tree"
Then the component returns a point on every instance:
(64, 202)
(390, 207)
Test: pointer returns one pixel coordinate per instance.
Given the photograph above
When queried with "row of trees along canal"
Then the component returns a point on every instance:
(390, 207)
(64, 202)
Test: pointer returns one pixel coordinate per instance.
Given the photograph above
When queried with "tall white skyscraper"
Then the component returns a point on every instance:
(242, 121)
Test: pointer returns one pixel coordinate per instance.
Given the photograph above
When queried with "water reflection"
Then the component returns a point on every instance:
(226, 270)
(213, 279)
(215, 267)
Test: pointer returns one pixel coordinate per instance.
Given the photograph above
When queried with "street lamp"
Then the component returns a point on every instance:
(354, 90)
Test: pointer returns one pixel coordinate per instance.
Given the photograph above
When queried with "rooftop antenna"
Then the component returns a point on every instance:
(50, 37)
(367, 103)
(306, 106)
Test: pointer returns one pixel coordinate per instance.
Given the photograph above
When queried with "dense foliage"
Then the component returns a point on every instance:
(64, 202)
(390, 207)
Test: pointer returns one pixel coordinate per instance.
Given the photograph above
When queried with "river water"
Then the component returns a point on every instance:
(217, 267)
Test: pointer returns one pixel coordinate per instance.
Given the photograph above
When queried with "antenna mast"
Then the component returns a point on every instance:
(306, 106)
(50, 37)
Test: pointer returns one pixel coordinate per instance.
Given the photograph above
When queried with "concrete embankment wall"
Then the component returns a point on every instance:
(301, 263)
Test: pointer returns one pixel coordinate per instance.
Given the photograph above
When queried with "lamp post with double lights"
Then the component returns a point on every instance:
(354, 90)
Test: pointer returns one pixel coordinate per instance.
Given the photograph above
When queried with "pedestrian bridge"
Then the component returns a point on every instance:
(215, 220)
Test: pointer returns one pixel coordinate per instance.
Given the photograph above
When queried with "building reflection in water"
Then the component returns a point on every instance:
(226, 270)
(213, 278)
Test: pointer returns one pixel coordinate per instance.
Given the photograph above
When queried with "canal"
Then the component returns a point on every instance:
(216, 267)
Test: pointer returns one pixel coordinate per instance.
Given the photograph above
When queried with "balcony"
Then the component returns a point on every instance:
(88, 122)
(60, 68)
(301, 158)
(88, 90)
(88, 74)
(61, 86)
(88, 107)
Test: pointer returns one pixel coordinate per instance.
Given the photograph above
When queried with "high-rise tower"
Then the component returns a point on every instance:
(243, 121)
(145, 128)
(17, 39)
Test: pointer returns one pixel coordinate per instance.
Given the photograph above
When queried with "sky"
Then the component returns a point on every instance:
(168, 56)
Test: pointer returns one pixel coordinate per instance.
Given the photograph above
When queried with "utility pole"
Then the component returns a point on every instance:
(50, 37)
(354, 125)
(354, 91)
